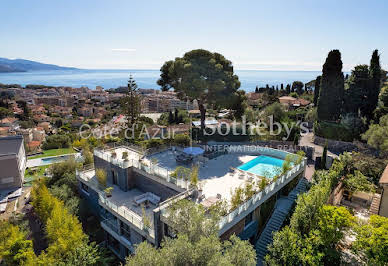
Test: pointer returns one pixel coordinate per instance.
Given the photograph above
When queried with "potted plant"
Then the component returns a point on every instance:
(146, 220)
(125, 156)
(108, 191)
(113, 154)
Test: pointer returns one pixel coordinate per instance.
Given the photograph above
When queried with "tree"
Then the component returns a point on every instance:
(374, 85)
(68, 245)
(288, 89)
(257, 89)
(356, 95)
(200, 75)
(170, 117)
(317, 89)
(331, 92)
(285, 248)
(130, 104)
(384, 100)
(15, 249)
(197, 243)
(377, 134)
(190, 219)
(4, 112)
(372, 241)
(297, 86)
(56, 142)
(238, 103)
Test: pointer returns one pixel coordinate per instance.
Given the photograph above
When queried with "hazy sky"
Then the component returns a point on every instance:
(278, 35)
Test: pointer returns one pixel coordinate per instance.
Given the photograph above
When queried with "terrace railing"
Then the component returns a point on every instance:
(128, 215)
(230, 219)
(152, 169)
(123, 211)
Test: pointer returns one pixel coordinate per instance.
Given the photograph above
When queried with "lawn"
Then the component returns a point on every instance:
(30, 175)
(53, 152)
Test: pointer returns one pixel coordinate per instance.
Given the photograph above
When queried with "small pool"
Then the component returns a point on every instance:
(263, 165)
(55, 159)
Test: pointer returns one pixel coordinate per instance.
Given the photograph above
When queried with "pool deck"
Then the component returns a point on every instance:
(41, 162)
(215, 175)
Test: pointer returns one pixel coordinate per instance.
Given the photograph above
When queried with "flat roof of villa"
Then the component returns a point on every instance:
(215, 175)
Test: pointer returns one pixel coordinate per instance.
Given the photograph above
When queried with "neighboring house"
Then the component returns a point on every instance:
(41, 118)
(38, 134)
(33, 146)
(12, 162)
(383, 210)
(143, 190)
(293, 103)
(195, 113)
(46, 126)
(26, 133)
(7, 122)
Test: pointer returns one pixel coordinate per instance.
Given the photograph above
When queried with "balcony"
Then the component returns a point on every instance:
(122, 204)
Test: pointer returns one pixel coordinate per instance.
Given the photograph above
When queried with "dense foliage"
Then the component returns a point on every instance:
(315, 228)
(56, 142)
(372, 240)
(197, 242)
(377, 134)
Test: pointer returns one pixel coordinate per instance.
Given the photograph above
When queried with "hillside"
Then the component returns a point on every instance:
(22, 65)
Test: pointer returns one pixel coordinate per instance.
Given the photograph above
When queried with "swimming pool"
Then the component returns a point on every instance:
(263, 165)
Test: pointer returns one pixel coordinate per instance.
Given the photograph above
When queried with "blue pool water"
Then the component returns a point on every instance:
(263, 165)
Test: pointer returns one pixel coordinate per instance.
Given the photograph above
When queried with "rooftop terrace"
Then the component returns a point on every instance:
(124, 203)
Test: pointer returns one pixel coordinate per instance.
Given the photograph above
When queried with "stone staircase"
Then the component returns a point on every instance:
(375, 205)
(282, 208)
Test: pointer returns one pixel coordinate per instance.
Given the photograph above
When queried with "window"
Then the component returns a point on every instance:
(7, 180)
(248, 219)
(114, 177)
(125, 231)
(85, 188)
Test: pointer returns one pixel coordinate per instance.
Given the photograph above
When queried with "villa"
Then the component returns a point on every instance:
(144, 185)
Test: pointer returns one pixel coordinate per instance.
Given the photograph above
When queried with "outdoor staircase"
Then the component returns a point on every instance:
(282, 208)
(375, 205)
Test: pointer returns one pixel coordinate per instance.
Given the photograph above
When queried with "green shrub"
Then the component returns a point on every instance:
(335, 131)
(56, 142)
(181, 140)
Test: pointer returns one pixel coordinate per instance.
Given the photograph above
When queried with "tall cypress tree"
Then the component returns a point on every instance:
(375, 84)
(316, 89)
(356, 95)
(331, 92)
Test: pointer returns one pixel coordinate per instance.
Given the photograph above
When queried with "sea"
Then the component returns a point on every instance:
(109, 78)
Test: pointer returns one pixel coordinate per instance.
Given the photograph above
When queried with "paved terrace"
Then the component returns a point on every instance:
(216, 176)
(122, 202)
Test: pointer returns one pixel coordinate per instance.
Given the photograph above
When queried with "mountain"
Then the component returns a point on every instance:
(22, 65)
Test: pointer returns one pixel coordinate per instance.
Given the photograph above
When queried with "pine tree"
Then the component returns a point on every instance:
(130, 104)
(281, 87)
(375, 84)
(257, 89)
(316, 89)
(331, 92)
